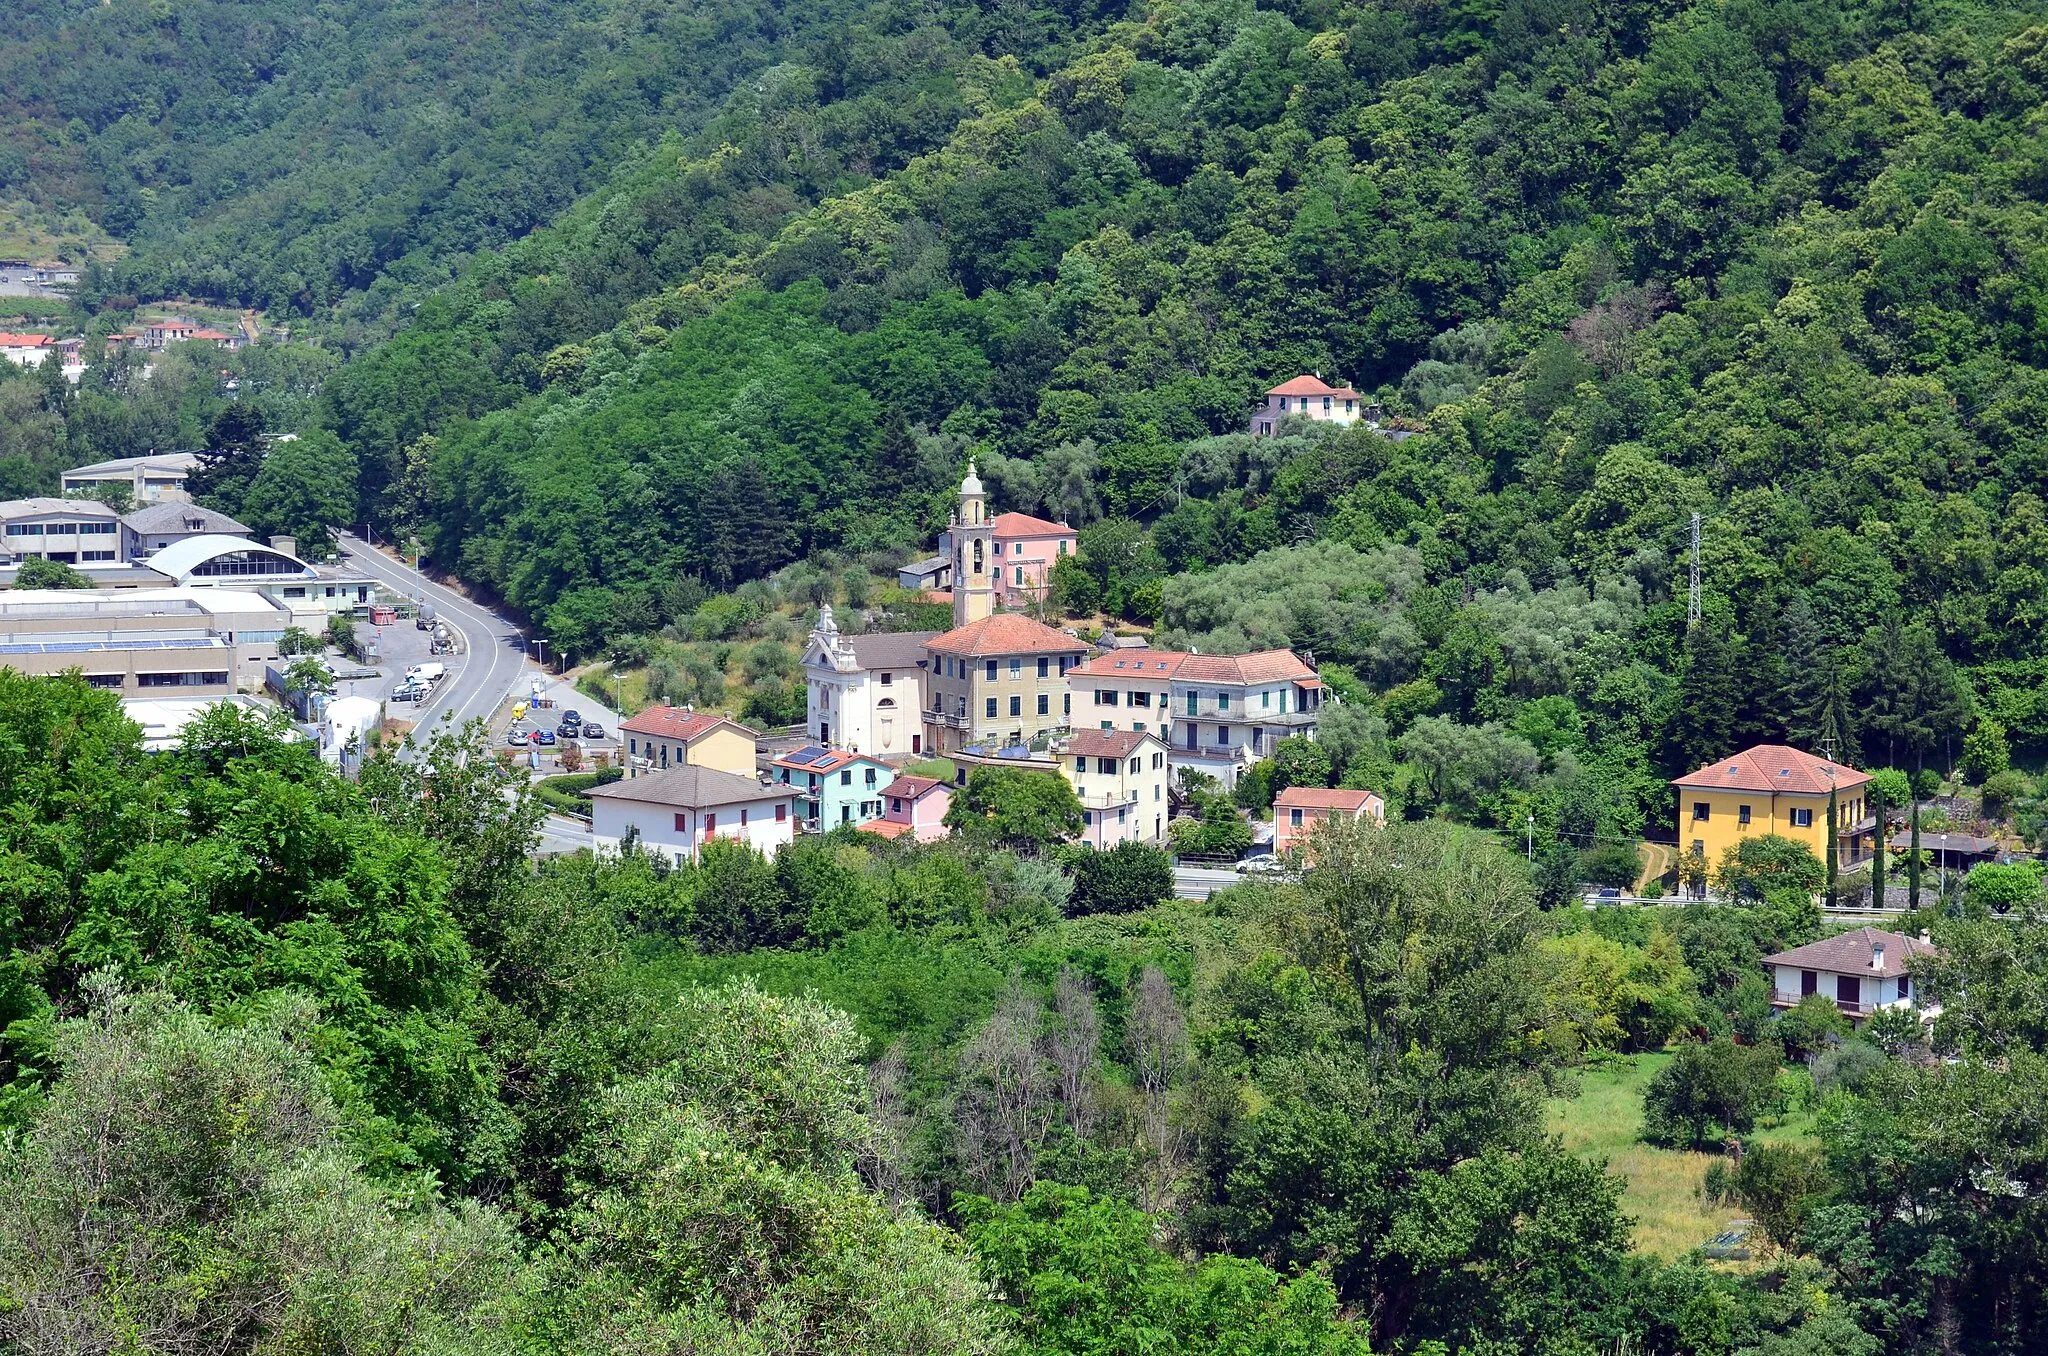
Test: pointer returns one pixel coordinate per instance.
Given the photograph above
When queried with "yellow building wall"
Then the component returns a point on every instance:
(723, 750)
(1723, 827)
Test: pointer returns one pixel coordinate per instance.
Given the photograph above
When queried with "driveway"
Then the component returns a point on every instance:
(491, 664)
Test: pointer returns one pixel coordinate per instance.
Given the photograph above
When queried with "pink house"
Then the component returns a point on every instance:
(1297, 810)
(1025, 549)
(915, 806)
(1310, 397)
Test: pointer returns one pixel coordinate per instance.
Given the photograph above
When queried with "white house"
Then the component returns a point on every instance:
(153, 479)
(1860, 971)
(676, 811)
(865, 693)
(27, 350)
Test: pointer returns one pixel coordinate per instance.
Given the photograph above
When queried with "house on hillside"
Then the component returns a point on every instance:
(833, 786)
(675, 811)
(1298, 809)
(1120, 776)
(27, 350)
(1773, 789)
(663, 737)
(1862, 971)
(999, 681)
(914, 807)
(1023, 550)
(1310, 397)
(1217, 713)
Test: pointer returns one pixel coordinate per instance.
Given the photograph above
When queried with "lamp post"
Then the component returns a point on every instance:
(1944, 866)
(1532, 837)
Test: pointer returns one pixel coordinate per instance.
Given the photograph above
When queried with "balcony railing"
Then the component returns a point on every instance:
(1104, 800)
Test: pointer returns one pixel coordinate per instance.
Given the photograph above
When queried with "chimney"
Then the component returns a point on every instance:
(1926, 937)
(1877, 955)
(288, 545)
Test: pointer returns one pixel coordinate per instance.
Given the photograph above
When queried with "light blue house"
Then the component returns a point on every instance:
(834, 787)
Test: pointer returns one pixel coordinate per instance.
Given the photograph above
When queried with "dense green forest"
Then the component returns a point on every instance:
(296, 1063)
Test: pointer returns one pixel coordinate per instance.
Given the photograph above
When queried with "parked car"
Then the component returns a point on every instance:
(518, 739)
(409, 692)
(568, 729)
(592, 730)
(1265, 864)
(572, 717)
(426, 673)
(544, 737)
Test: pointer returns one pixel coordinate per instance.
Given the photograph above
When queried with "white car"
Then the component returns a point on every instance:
(1265, 864)
(426, 673)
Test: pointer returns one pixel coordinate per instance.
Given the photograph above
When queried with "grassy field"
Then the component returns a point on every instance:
(1606, 1121)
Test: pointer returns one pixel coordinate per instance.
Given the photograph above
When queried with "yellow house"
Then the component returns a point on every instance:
(1771, 789)
(675, 736)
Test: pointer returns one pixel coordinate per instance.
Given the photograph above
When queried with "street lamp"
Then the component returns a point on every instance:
(1532, 838)
(1944, 865)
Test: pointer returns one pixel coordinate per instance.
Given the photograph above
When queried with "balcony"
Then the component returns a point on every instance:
(1107, 800)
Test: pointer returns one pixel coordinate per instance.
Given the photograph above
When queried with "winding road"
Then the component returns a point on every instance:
(492, 664)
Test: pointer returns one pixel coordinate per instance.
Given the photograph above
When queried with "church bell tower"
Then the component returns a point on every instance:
(974, 566)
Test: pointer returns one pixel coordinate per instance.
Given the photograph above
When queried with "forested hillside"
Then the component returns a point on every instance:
(1773, 264)
(332, 164)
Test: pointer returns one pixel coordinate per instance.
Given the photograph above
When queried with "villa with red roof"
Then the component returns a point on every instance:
(27, 350)
(1310, 397)
(1772, 789)
(674, 736)
(1298, 809)
(1120, 777)
(913, 807)
(1217, 713)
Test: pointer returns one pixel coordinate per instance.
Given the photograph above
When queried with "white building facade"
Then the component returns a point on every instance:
(865, 694)
(677, 811)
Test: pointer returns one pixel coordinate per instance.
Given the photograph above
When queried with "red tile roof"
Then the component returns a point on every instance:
(1107, 743)
(1004, 633)
(910, 788)
(1323, 798)
(1770, 768)
(1157, 664)
(673, 722)
(1312, 386)
(25, 340)
(886, 828)
(1024, 525)
(1266, 666)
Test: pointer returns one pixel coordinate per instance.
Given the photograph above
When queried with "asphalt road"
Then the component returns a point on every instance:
(1199, 882)
(492, 664)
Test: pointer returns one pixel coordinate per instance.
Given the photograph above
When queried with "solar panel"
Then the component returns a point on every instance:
(805, 754)
(102, 646)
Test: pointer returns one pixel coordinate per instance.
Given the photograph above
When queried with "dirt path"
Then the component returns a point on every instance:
(1656, 859)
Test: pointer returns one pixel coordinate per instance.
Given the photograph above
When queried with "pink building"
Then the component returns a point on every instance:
(913, 805)
(1308, 397)
(1025, 549)
(1298, 809)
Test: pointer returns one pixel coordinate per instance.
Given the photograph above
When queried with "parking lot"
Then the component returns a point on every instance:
(556, 698)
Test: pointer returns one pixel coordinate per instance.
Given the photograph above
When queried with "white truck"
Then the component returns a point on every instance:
(426, 673)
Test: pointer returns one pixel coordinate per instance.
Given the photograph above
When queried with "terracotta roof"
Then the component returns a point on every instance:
(886, 828)
(210, 334)
(690, 787)
(909, 787)
(1850, 953)
(1107, 743)
(1265, 666)
(1773, 768)
(1158, 664)
(673, 722)
(1312, 386)
(1024, 525)
(25, 340)
(1004, 633)
(1323, 798)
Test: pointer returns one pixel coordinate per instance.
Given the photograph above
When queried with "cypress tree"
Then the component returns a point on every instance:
(1834, 853)
(1913, 861)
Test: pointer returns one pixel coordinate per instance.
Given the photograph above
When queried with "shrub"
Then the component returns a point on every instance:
(1777, 1184)
(1804, 1031)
